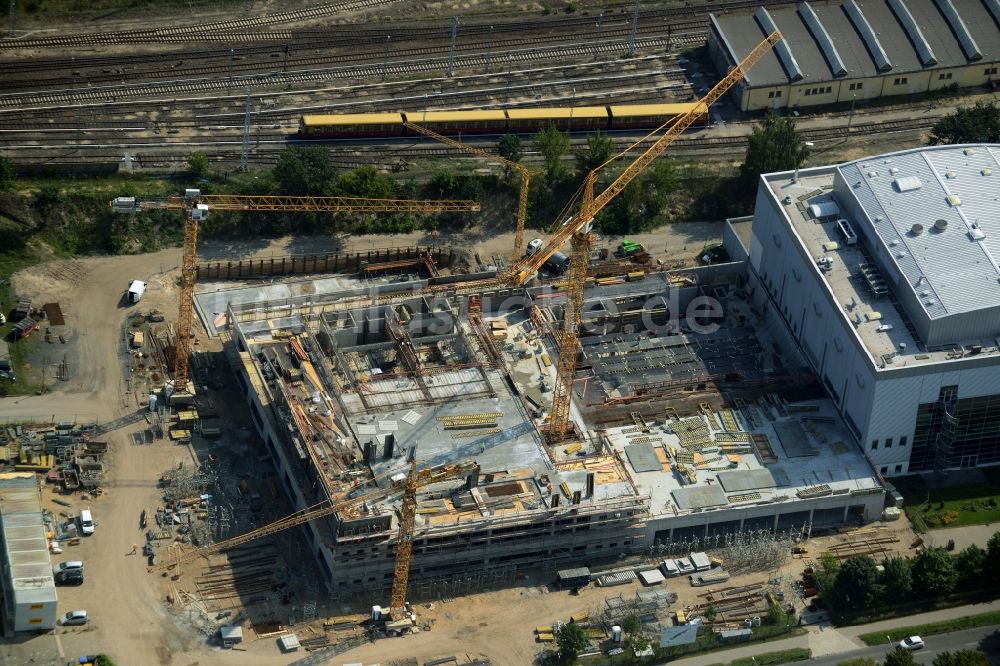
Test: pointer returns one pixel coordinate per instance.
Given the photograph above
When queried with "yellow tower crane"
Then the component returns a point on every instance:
(414, 480)
(523, 172)
(578, 228)
(197, 206)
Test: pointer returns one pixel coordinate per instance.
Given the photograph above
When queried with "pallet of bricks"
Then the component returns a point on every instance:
(471, 425)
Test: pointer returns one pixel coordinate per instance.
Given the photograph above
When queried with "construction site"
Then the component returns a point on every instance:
(544, 418)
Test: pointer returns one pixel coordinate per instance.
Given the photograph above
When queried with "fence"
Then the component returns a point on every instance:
(300, 264)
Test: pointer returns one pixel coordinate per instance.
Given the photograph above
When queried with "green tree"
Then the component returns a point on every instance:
(600, 147)
(968, 124)
(860, 661)
(961, 658)
(711, 613)
(777, 616)
(367, 182)
(509, 148)
(936, 572)
(854, 587)
(971, 567)
(571, 639)
(641, 201)
(896, 580)
(632, 623)
(553, 145)
(304, 170)
(826, 574)
(899, 657)
(198, 165)
(6, 173)
(993, 557)
(773, 145)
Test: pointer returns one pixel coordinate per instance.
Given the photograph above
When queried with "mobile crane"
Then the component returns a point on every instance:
(196, 207)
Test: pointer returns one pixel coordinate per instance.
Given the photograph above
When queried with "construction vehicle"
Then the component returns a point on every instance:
(197, 206)
(577, 229)
(629, 247)
(523, 172)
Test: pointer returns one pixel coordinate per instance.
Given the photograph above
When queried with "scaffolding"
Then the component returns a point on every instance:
(741, 552)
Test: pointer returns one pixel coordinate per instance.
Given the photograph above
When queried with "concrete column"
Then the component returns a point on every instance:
(846, 509)
(776, 522)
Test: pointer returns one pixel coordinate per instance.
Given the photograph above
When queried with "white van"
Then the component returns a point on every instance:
(136, 289)
(86, 522)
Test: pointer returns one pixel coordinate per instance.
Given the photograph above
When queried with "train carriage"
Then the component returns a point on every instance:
(575, 119)
(347, 125)
(494, 121)
(458, 122)
(647, 116)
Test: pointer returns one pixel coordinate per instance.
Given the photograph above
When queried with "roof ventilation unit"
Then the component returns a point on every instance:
(864, 29)
(986, 172)
(917, 229)
(822, 38)
(953, 200)
(958, 27)
(940, 225)
(950, 174)
(893, 171)
(907, 184)
(968, 151)
(784, 51)
(976, 234)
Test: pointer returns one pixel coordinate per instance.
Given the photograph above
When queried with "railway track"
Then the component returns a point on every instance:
(366, 71)
(260, 60)
(193, 33)
(231, 30)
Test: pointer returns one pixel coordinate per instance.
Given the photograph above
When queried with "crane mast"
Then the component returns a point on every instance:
(524, 173)
(578, 228)
(196, 207)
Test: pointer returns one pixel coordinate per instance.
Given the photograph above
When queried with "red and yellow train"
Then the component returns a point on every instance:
(493, 121)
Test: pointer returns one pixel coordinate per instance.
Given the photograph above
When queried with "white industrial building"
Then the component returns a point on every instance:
(884, 271)
(28, 589)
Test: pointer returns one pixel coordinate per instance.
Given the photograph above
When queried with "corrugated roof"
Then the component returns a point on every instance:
(862, 56)
(949, 271)
(352, 119)
(26, 549)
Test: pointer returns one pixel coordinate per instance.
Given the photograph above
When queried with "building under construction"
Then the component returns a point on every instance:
(679, 434)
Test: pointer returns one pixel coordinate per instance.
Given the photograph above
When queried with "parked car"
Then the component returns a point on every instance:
(69, 577)
(74, 618)
(87, 524)
(70, 565)
(912, 643)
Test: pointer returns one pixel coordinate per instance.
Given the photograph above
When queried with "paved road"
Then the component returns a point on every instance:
(959, 640)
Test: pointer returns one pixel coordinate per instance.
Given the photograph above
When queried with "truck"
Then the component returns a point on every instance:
(136, 289)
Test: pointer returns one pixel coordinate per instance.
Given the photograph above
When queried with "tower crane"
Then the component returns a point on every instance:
(414, 480)
(196, 207)
(578, 229)
(523, 172)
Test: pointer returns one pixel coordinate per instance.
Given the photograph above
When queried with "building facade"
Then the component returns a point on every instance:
(884, 273)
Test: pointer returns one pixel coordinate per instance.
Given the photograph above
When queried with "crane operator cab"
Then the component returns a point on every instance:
(198, 211)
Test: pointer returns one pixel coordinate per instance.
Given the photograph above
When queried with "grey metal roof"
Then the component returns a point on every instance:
(965, 38)
(914, 32)
(950, 271)
(864, 53)
(25, 556)
(822, 38)
(864, 28)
